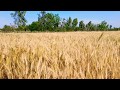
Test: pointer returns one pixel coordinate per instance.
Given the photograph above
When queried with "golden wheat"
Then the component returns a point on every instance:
(69, 55)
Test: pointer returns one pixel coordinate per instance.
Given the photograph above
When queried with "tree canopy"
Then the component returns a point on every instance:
(53, 22)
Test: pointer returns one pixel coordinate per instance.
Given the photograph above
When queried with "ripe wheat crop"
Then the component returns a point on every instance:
(68, 55)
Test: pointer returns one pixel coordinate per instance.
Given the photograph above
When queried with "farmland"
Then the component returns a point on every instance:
(68, 55)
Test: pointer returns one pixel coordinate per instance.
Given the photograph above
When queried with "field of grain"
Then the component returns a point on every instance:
(69, 55)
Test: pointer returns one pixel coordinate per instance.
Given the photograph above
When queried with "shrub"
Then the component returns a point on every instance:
(7, 28)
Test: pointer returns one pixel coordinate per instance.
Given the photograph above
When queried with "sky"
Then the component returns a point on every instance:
(111, 17)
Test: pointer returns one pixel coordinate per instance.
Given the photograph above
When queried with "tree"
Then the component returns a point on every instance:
(41, 20)
(81, 25)
(63, 24)
(69, 22)
(19, 17)
(48, 21)
(7, 28)
(53, 21)
(88, 26)
(110, 26)
(56, 21)
(34, 26)
(94, 27)
(74, 23)
(103, 25)
(41, 15)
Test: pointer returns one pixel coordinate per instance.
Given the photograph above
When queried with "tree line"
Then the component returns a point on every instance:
(53, 22)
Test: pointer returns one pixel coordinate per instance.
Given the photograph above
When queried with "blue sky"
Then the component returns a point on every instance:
(112, 17)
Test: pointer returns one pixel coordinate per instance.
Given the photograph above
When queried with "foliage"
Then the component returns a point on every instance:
(34, 26)
(53, 22)
(103, 26)
(20, 20)
(81, 25)
(74, 23)
(7, 28)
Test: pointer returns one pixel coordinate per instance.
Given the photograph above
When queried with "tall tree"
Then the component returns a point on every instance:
(34, 26)
(81, 25)
(69, 22)
(41, 20)
(103, 25)
(63, 24)
(49, 17)
(88, 26)
(41, 15)
(48, 21)
(56, 20)
(110, 26)
(74, 23)
(19, 17)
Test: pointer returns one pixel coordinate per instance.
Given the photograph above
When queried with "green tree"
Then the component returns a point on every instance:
(81, 25)
(41, 20)
(34, 26)
(64, 25)
(52, 21)
(88, 26)
(49, 17)
(93, 27)
(110, 26)
(41, 15)
(7, 28)
(70, 22)
(48, 21)
(19, 17)
(74, 23)
(103, 26)
(56, 21)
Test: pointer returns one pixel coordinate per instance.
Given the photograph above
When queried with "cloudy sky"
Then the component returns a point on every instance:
(112, 17)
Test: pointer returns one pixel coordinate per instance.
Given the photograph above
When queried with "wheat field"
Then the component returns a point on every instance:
(68, 55)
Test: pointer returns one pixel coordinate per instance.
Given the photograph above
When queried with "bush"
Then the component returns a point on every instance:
(7, 28)
(34, 26)
(76, 29)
